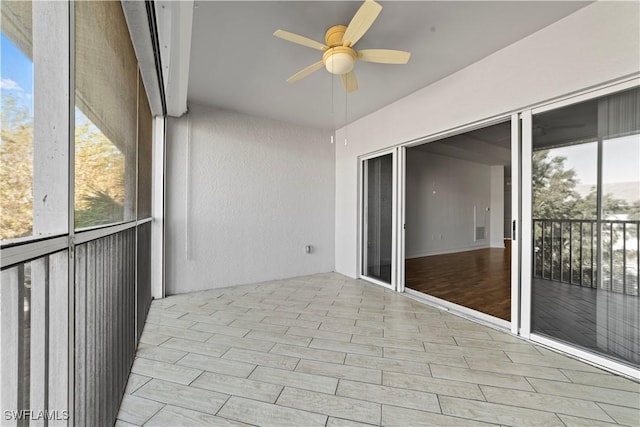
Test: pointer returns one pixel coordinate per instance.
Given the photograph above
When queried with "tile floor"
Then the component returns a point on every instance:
(326, 350)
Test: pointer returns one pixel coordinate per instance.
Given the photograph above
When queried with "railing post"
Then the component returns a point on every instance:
(571, 253)
(581, 259)
(591, 284)
(624, 258)
(610, 257)
(551, 257)
(549, 243)
(561, 250)
(542, 234)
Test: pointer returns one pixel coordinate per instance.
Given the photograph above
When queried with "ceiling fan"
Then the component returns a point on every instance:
(339, 56)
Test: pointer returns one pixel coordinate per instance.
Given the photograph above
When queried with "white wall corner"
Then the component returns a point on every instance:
(175, 27)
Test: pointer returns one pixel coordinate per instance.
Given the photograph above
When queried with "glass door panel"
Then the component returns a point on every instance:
(378, 219)
(585, 219)
(459, 212)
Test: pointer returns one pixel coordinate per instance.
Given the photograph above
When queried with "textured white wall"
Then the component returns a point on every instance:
(597, 44)
(441, 194)
(496, 214)
(254, 193)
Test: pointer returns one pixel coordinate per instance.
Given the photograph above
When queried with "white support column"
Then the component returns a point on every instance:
(157, 208)
(51, 208)
(50, 109)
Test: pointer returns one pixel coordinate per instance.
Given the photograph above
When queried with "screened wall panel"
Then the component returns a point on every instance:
(106, 115)
(46, 368)
(17, 24)
(33, 348)
(33, 150)
(104, 315)
(144, 275)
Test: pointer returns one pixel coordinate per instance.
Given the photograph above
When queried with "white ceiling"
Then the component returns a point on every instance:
(237, 64)
(489, 145)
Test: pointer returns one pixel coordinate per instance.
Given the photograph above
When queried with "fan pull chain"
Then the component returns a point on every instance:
(333, 116)
(345, 115)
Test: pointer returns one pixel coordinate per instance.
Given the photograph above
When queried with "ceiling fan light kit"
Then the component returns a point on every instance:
(339, 60)
(339, 57)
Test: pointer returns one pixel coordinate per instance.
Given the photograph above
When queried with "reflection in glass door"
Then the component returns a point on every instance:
(585, 221)
(378, 219)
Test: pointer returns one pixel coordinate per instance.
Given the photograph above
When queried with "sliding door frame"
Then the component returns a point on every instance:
(526, 229)
(362, 191)
(514, 119)
(401, 223)
(516, 221)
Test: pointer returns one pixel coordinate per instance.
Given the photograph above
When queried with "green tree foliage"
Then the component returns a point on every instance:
(99, 178)
(555, 195)
(553, 187)
(587, 207)
(99, 173)
(635, 211)
(16, 169)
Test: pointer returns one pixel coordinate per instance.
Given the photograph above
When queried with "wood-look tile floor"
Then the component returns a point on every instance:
(596, 319)
(326, 350)
(479, 279)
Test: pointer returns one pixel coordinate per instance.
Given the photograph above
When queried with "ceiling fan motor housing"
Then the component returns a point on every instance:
(338, 59)
(333, 36)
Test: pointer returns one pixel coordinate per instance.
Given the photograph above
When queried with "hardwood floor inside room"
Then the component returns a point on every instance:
(479, 279)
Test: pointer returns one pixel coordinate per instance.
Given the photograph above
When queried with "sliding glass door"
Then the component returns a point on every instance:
(378, 219)
(459, 212)
(585, 226)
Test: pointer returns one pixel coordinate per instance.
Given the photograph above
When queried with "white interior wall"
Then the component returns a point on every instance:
(441, 194)
(244, 198)
(496, 212)
(597, 44)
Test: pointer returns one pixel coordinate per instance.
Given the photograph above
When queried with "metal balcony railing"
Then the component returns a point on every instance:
(566, 250)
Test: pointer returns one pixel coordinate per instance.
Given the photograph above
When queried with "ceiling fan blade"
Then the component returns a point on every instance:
(361, 21)
(384, 56)
(296, 38)
(305, 72)
(350, 82)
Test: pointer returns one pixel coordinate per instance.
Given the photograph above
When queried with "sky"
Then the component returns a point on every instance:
(16, 73)
(16, 76)
(620, 160)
